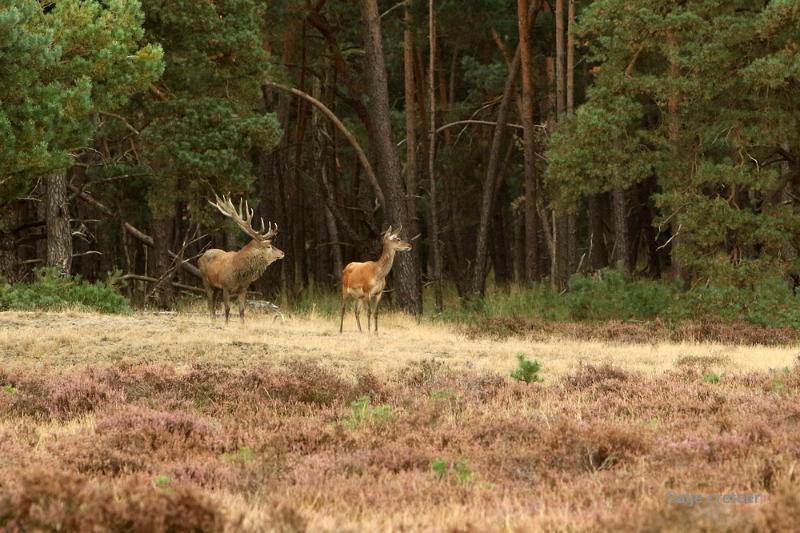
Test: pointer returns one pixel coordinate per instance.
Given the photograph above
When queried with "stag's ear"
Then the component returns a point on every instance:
(387, 232)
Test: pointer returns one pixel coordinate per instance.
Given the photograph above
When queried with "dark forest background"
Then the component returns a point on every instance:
(520, 144)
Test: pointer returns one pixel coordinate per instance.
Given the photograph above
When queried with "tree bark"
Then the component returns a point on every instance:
(163, 291)
(59, 233)
(622, 245)
(561, 105)
(673, 133)
(380, 133)
(531, 262)
(598, 252)
(570, 56)
(559, 273)
(411, 120)
(435, 250)
(572, 219)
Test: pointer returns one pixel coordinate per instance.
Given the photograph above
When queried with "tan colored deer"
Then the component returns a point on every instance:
(233, 272)
(365, 281)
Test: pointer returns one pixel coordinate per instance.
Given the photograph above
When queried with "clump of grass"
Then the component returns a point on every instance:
(162, 481)
(712, 377)
(527, 370)
(364, 413)
(243, 456)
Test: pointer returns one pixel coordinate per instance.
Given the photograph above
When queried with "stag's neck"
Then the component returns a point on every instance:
(385, 262)
(252, 263)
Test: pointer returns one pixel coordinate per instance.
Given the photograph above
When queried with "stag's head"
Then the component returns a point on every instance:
(392, 240)
(262, 240)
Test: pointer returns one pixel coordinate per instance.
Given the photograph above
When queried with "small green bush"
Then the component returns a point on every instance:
(712, 377)
(52, 292)
(460, 470)
(363, 413)
(527, 371)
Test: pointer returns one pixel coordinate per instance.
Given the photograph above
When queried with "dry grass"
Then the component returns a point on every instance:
(66, 339)
(164, 422)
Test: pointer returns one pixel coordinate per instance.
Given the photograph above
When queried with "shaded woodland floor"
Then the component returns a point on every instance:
(154, 422)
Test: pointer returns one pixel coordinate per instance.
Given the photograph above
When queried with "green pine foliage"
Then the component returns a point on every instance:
(60, 65)
(201, 128)
(702, 95)
(527, 370)
(52, 292)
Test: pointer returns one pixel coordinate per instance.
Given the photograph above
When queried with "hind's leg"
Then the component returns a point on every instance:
(375, 309)
(344, 307)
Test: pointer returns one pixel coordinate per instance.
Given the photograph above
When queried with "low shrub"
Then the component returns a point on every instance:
(53, 292)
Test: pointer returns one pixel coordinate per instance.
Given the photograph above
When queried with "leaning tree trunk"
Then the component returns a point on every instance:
(380, 135)
(478, 281)
(59, 234)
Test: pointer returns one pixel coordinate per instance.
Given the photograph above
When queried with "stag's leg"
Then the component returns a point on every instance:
(242, 301)
(344, 307)
(358, 312)
(226, 299)
(210, 298)
(368, 301)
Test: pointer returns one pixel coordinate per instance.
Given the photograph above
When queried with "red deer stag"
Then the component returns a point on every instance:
(233, 272)
(365, 281)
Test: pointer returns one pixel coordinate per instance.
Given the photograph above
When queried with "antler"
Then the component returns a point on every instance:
(244, 220)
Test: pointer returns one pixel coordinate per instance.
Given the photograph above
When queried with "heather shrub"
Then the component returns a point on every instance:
(143, 430)
(81, 392)
(57, 396)
(53, 500)
(589, 375)
(53, 292)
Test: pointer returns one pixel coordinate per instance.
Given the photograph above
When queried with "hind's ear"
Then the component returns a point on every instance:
(388, 232)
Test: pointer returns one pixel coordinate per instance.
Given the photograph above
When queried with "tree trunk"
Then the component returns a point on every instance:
(572, 221)
(59, 233)
(163, 292)
(531, 262)
(434, 230)
(598, 252)
(561, 104)
(622, 244)
(570, 56)
(380, 134)
(411, 122)
(673, 133)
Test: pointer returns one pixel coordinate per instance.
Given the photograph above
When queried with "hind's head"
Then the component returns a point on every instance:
(392, 240)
